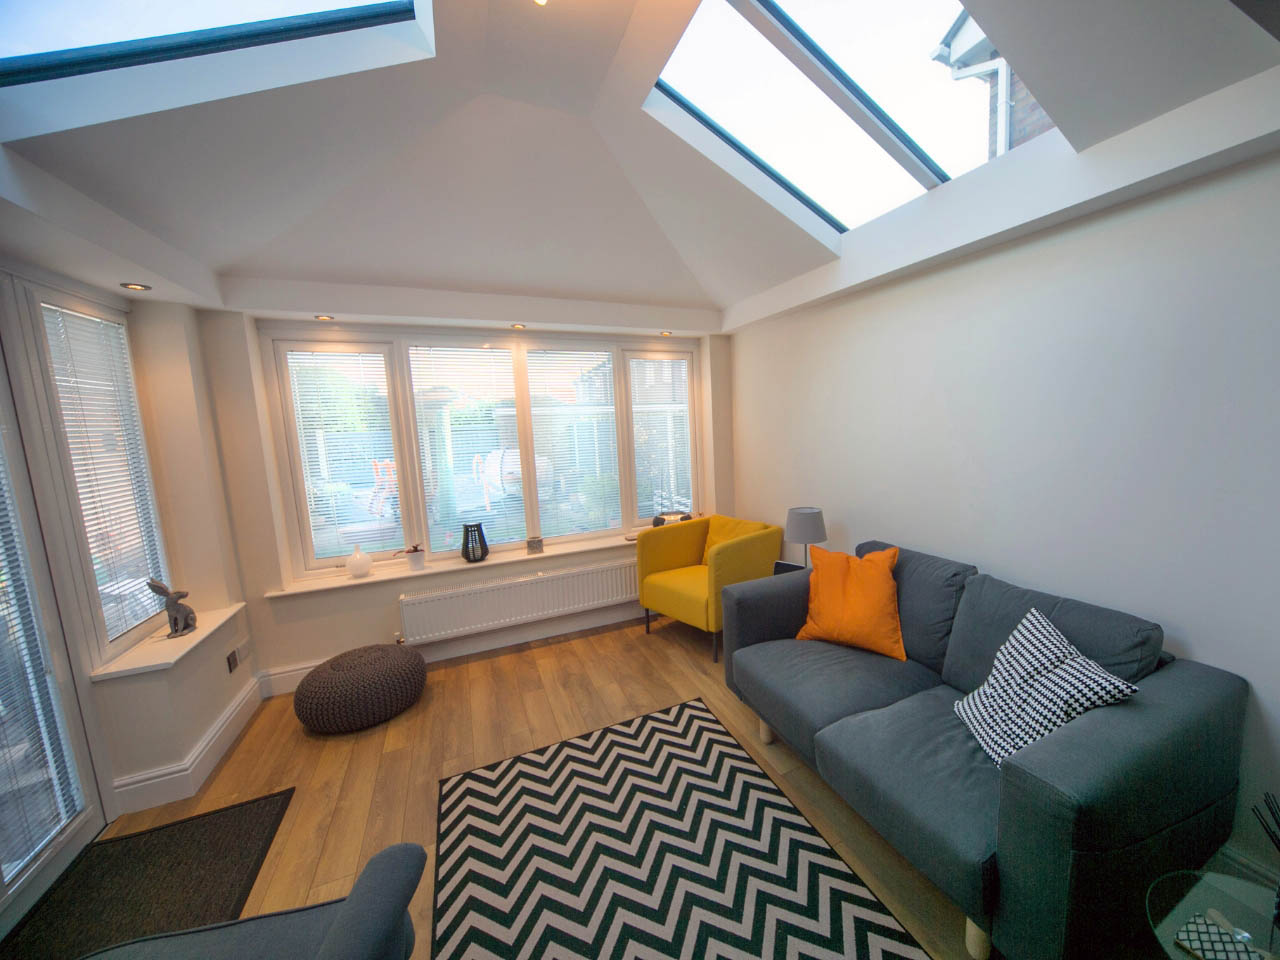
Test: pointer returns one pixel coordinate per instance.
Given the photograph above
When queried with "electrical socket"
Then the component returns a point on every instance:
(233, 661)
(242, 652)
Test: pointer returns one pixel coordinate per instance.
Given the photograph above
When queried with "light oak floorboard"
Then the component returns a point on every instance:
(357, 793)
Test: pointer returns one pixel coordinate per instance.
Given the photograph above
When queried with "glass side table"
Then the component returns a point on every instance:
(1248, 906)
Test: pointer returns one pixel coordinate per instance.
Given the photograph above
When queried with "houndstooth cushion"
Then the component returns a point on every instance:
(1038, 683)
(360, 688)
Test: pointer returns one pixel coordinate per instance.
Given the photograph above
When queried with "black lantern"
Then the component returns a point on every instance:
(474, 546)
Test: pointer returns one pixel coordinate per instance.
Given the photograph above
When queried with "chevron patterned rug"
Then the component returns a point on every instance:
(656, 837)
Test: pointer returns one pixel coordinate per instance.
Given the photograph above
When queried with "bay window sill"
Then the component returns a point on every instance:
(398, 570)
(160, 652)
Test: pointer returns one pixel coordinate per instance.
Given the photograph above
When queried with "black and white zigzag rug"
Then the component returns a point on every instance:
(656, 837)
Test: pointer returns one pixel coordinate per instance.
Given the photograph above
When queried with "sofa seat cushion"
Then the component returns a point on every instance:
(929, 590)
(680, 593)
(1120, 643)
(916, 774)
(800, 686)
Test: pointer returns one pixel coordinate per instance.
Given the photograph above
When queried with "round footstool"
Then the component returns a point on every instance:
(360, 688)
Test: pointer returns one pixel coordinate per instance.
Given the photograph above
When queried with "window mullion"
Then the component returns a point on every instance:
(626, 447)
(524, 427)
(404, 425)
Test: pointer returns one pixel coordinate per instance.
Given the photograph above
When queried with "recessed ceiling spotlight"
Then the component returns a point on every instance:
(541, 3)
(136, 286)
(323, 317)
(517, 326)
(666, 333)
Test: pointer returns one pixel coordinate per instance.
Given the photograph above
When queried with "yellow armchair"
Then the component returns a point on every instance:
(681, 577)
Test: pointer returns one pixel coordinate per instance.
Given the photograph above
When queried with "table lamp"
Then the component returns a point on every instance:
(805, 526)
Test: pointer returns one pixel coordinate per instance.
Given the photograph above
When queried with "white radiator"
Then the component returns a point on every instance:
(457, 611)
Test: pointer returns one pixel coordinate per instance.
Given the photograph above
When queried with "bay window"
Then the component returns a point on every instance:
(399, 438)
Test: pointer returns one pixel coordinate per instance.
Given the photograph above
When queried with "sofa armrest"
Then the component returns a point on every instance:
(734, 561)
(669, 547)
(373, 922)
(774, 608)
(1126, 792)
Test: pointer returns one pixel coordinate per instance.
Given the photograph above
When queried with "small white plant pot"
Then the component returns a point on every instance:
(359, 564)
(417, 560)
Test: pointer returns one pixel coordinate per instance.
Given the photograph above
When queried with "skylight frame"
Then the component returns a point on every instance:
(674, 95)
(55, 64)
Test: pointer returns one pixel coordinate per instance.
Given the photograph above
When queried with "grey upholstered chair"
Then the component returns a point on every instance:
(371, 924)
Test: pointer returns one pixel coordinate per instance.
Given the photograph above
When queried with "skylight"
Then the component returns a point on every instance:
(733, 75)
(62, 37)
(858, 105)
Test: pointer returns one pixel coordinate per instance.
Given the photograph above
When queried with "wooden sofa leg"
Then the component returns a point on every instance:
(646, 619)
(976, 940)
(766, 733)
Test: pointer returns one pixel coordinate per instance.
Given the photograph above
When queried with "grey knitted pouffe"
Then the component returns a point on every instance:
(360, 688)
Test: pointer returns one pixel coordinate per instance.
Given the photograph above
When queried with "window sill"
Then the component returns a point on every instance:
(159, 652)
(389, 572)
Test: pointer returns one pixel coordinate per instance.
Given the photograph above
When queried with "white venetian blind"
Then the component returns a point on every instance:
(346, 450)
(660, 426)
(468, 443)
(575, 440)
(39, 789)
(94, 380)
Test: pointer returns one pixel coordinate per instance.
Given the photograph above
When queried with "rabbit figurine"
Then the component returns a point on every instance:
(182, 619)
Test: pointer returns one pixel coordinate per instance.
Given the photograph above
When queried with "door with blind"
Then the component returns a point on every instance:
(49, 802)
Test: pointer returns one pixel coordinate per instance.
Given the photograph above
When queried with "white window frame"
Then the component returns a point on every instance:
(52, 474)
(297, 520)
(695, 406)
(278, 337)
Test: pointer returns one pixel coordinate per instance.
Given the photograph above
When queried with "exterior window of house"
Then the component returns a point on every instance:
(551, 437)
(93, 377)
(345, 455)
(575, 441)
(464, 402)
(661, 433)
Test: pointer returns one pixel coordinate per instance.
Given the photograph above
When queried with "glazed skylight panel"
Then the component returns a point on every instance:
(93, 377)
(43, 26)
(727, 70)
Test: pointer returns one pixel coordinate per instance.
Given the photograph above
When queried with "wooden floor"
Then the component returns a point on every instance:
(357, 793)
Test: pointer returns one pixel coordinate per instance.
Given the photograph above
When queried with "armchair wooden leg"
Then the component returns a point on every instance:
(646, 619)
(766, 733)
(976, 940)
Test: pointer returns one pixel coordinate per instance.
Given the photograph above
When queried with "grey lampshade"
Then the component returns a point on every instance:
(804, 525)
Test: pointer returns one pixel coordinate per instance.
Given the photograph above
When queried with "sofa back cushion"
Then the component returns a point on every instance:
(1121, 643)
(929, 590)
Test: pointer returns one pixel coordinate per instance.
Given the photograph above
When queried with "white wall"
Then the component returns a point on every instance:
(1093, 411)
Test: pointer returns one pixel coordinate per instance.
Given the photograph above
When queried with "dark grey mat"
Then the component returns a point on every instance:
(185, 874)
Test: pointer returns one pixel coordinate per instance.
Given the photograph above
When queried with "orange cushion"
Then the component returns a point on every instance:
(727, 528)
(854, 601)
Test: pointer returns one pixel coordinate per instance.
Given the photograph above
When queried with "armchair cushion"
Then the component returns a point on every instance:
(722, 528)
(798, 686)
(680, 593)
(667, 547)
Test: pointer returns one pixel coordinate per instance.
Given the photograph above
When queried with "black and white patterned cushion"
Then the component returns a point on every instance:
(1038, 683)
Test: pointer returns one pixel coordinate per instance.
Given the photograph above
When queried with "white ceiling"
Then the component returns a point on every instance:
(519, 160)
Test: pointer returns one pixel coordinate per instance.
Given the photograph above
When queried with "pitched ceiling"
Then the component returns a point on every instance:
(519, 160)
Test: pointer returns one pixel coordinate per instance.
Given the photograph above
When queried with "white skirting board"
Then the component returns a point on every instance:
(1233, 861)
(177, 781)
(285, 679)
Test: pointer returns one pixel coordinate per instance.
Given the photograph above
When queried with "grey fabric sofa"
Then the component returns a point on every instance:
(1050, 854)
(372, 923)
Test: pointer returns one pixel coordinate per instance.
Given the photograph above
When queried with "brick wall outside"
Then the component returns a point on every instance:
(1027, 118)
